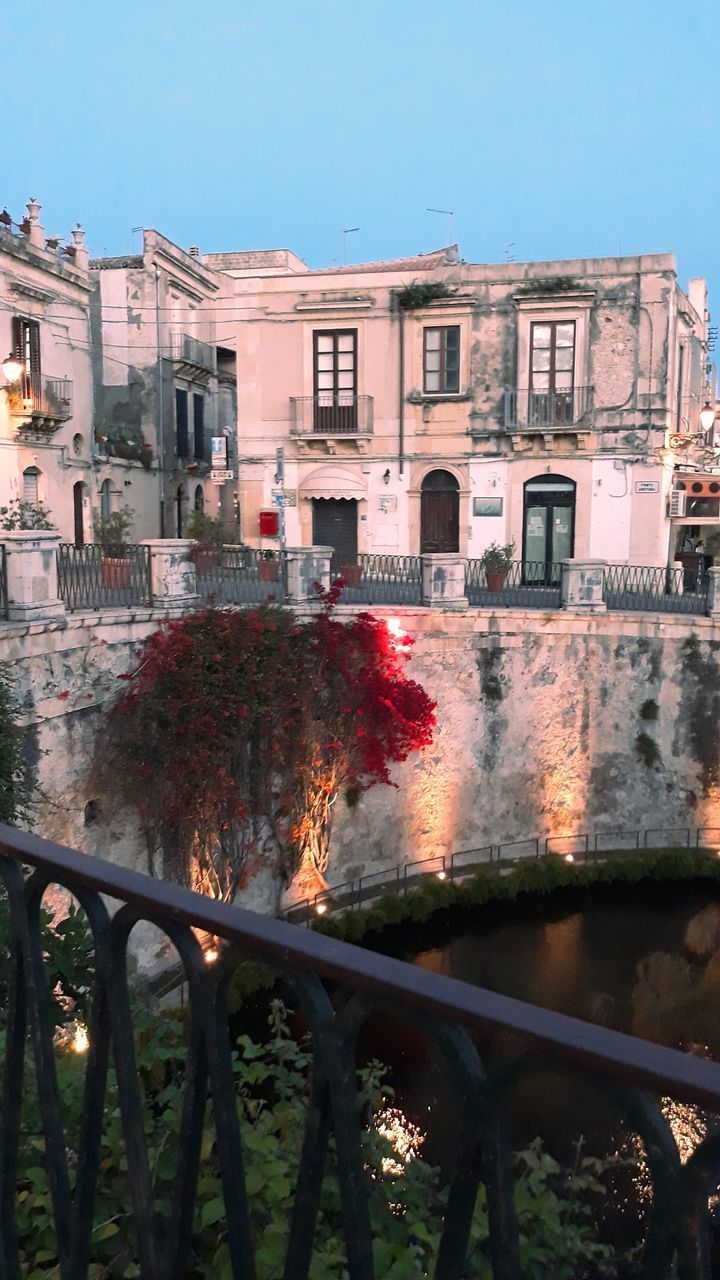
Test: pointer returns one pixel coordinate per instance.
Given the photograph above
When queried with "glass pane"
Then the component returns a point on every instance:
(432, 381)
(535, 526)
(541, 335)
(324, 342)
(325, 382)
(541, 381)
(346, 381)
(541, 359)
(432, 361)
(325, 362)
(565, 335)
(562, 524)
(432, 339)
(346, 360)
(346, 342)
(452, 339)
(452, 380)
(563, 380)
(564, 358)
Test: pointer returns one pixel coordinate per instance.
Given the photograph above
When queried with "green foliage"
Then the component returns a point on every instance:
(647, 750)
(123, 440)
(417, 295)
(15, 773)
(496, 558)
(114, 530)
(529, 876)
(550, 284)
(20, 514)
(209, 531)
(649, 709)
(557, 1209)
(70, 964)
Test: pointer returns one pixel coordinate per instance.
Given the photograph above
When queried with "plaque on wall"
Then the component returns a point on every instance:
(487, 506)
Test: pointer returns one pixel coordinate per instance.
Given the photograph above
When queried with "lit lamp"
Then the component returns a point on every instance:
(12, 367)
(707, 417)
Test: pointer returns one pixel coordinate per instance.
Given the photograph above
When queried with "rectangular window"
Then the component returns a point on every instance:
(182, 443)
(552, 356)
(441, 360)
(199, 426)
(26, 347)
(335, 364)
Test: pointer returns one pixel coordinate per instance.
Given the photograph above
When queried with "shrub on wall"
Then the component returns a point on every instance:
(240, 728)
(15, 777)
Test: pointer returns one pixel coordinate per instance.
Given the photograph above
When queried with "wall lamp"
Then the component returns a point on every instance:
(707, 416)
(12, 368)
(386, 476)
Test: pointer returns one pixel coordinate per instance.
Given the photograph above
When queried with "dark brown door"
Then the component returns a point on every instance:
(440, 513)
(335, 525)
(78, 490)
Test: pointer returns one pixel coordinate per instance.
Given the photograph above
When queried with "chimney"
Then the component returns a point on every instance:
(194, 251)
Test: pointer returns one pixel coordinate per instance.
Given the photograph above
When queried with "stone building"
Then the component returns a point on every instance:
(164, 383)
(432, 404)
(46, 410)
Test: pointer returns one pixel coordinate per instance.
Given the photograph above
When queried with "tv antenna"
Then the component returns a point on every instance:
(348, 231)
(449, 215)
(508, 251)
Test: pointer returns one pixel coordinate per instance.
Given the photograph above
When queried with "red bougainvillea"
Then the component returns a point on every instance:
(239, 729)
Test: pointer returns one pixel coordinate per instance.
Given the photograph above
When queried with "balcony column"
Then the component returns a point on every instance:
(307, 566)
(713, 595)
(32, 581)
(173, 576)
(443, 581)
(582, 586)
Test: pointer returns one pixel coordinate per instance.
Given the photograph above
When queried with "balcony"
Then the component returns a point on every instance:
(527, 410)
(331, 415)
(193, 354)
(47, 402)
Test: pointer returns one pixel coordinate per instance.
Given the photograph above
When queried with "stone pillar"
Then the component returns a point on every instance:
(305, 567)
(443, 581)
(582, 586)
(36, 233)
(172, 573)
(32, 581)
(713, 596)
(82, 257)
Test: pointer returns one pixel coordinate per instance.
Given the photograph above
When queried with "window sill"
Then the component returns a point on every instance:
(441, 397)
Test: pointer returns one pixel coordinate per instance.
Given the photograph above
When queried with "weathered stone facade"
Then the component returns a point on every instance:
(547, 725)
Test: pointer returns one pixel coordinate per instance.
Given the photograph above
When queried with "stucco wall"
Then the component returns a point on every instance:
(538, 724)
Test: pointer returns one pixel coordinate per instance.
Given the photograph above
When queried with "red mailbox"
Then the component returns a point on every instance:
(269, 524)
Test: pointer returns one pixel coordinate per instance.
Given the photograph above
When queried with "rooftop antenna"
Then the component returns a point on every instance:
(449, 215)
(509, 255)
(348, 231)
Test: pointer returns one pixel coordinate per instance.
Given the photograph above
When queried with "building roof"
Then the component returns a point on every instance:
(421, 262)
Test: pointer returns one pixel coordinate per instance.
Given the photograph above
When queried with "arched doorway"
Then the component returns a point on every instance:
(179, 510)
(439, 512)
(548, 526)
(79, 513)
(199, 502)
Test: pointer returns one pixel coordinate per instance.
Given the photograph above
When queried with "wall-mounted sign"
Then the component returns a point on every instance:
(288, 496)
(219, 477)
(647, 486)
(487, 506)
(218, 452)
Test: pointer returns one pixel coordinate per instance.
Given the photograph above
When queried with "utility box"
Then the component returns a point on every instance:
(269, 524)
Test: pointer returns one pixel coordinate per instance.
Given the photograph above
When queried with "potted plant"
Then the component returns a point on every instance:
(20, 514)
(208, 535)
(267, 564)
(496, 562)
(350, 574)
(113, 534)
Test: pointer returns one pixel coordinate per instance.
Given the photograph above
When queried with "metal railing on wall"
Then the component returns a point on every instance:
(528, 584)
(463, 1026)
(671, 589)
(240, 575)
(95, 577)
(382, 579)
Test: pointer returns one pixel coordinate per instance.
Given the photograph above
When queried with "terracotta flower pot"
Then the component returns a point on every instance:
(495, 579)
(267, 570)
(116, 572)
(350, 573)
(205, 560)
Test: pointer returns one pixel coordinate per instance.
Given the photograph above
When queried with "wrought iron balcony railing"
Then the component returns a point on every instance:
(331, 415)
(36, 396)
(192, 351)
(547, 410)
(338, 989)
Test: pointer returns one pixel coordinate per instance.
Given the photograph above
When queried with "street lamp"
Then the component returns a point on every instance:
(707, 417)
(12, 367)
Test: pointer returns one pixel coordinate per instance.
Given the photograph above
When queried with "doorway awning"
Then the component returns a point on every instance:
(333, 482)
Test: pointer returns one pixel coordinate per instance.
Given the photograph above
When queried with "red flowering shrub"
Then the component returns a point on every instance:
(239, 729)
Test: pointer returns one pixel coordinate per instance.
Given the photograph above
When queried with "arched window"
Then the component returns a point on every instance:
(105, 501)
(199, 499)
(180, 499)
(31, 485)
(439, 512)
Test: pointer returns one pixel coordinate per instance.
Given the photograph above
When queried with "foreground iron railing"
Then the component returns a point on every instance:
(529, 584)
(240, 575)
(3, 583)
(338, 988)
(670, 589)
(95, 577)
(380, 579)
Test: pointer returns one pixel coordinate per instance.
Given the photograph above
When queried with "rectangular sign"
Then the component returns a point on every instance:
(288, 497)
(279, 465)
(218, 477)
(487, 506)
(218, 451)
(647, 486)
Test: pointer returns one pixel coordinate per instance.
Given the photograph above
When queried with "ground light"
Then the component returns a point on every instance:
(211, 955)
(569, 857)
(441, 875)
(80, 1042)
(321, 908)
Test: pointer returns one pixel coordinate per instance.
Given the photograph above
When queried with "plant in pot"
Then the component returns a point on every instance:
(267, 564)
(112, 535)
(21, 514)
(208, 534)
(496, 562)
(350, 574)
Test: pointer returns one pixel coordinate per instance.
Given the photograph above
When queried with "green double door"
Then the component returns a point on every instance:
(548, 527)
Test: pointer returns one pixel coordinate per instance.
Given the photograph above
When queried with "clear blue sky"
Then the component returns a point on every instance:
(571, 128)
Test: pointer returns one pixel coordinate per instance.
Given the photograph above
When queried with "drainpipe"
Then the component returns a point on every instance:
(161, 415)
(401, 393)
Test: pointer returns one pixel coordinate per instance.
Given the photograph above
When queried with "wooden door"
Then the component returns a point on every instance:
(439, 513)
(78, 491)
